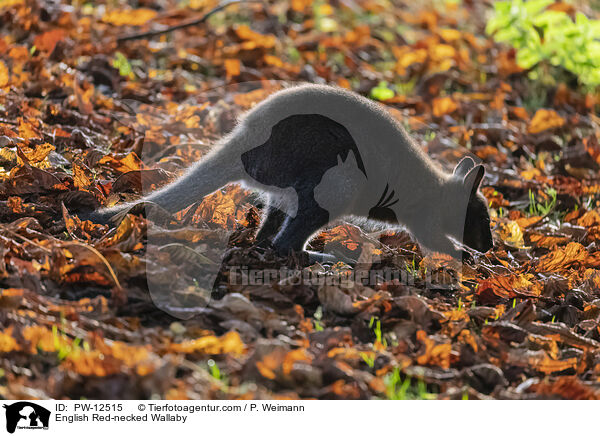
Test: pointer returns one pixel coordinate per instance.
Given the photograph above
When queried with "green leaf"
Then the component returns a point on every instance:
(533, 7)
(541, 35)
(381, 92)
(122, 64)
(527, 58)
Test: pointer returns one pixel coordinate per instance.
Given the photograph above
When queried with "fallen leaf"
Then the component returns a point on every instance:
(545, 119)
(4, 75)
(48, 40)
(443, 106)
(129, 17)
(512, 235)
(572, 255)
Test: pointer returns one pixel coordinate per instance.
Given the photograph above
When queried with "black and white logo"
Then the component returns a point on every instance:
(25, 415)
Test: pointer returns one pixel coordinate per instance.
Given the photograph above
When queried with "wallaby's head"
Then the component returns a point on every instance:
(471, 216)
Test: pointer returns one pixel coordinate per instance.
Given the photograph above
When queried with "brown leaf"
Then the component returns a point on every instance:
(505, 287)
(141, 181)
(7, 342)
(230, 342)
(444, 106)
(545, 119)
(129, 17)
(572, 255)
(511, 234)
(567, 388)
(547, 365)
(434, 354)
(4, 75)
(48, 40)
(83, 178)
(232, 67)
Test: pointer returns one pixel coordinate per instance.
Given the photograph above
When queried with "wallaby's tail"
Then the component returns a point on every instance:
(221, 166)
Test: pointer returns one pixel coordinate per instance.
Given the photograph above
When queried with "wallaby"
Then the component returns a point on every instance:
(320, 153)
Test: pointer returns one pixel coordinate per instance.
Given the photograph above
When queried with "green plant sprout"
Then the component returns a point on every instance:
(414, 271)
(542, 209)
(318, 315)
(216, 373)
(375, 324)
(370, 361)
(121, 63)
(398, 389)
(62, 347)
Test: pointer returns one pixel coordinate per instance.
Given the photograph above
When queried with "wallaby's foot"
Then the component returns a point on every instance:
(270, 227)
(315, 256)
(96, 217)
(308, 258)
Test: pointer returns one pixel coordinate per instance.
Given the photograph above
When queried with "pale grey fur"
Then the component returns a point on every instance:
(432, 204)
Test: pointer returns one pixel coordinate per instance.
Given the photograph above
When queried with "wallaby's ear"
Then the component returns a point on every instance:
(463, 167)
(474, 177)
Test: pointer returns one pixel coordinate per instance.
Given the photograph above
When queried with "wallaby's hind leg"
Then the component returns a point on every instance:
(275, 218)
(295, 231)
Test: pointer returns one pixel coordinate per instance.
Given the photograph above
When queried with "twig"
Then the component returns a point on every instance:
(191, 23)
(101, 257)
(67, 243)
(23, 238)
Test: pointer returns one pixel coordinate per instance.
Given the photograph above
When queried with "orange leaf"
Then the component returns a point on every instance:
(547, 241)
(562, 7)
(545, 119)
(268, 364)
(82, 177)
(15, 204)
(4, 75)
(265, 371)
(228, 343)
(563, 258)
(434, 354)
(39, 153)
(443, 106)
(589, 219)
(299, 355)
(570, 388)
(592, 147)
(27, 130)
(301, 5)
(547, 365)
(531, 173)
(521, 113)
(259, 40)
(129, 17)
(512, 235)
(509, 286)
(232, 67)
(11, 297)
(48, 40)
(7, 341)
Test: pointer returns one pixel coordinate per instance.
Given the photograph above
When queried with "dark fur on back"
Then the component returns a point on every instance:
(306, 146)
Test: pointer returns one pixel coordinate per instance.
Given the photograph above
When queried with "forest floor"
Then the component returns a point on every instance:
(88, 120)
